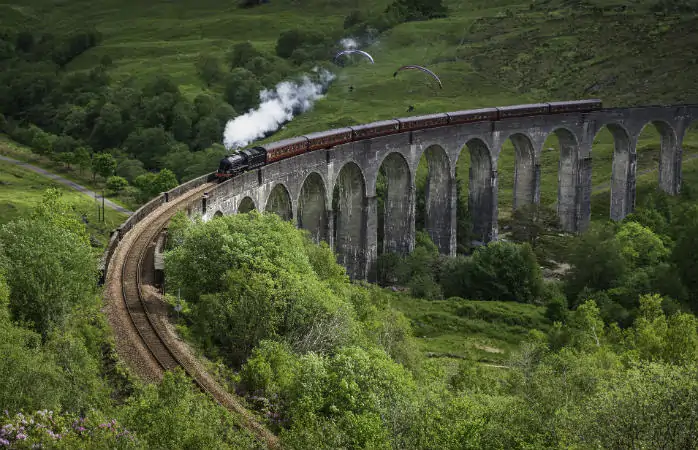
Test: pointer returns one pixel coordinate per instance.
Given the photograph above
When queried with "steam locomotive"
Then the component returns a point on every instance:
(259, 156)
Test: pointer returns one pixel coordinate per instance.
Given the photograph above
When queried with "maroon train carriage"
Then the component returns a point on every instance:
(329, 138)
(472, 115)
(286, 148)
(375, 129)
(534, 109)
(575, 106)
(422, 122)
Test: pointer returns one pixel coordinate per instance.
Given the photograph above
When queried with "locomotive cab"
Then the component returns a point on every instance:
(231, 165)
(224, 166)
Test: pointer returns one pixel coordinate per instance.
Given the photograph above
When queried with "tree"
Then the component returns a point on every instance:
(130, 169)
(241, 54)
(103, 164)
(506, 271)
(597, 262)
(182, 120)
(116, 184)
(109, 127)
(410, 10)
(258, 286)
(242, 89)
(49, 264)
(208, 132)
(82, 159)
(290, 41)
(685, 257)
(151, 184)
(532, 222)
(587, 325)
(173, 414)
(67, 158)
(148, 145)
(640, 246)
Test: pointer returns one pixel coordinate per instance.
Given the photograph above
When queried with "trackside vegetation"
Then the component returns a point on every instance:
(61, 382)
(335, 364)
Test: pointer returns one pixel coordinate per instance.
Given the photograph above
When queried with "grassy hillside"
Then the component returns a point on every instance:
(466, 329)
(22, 189)
(487, 53)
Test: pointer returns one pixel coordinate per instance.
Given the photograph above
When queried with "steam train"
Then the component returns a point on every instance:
(259, 156)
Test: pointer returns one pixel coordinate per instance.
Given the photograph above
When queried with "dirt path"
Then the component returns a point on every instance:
(66, 182)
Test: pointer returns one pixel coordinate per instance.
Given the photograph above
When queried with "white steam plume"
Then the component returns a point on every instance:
(348, 43)
(276, 108)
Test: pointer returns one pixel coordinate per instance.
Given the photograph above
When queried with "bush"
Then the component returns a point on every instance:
(506, 271)
(410, 10)
(242, 90)
(116, 184)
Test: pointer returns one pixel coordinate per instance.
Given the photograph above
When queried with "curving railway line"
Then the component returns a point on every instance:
(138, 317)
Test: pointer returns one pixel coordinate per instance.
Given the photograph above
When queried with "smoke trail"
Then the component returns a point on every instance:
(348, 43)
(276, 108)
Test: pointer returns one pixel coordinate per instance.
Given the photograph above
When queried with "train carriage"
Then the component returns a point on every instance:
(422, 122)
(472, 115)
(328, 139)
(375, 129)
(534, 109)
(286, 148)
(575, 106)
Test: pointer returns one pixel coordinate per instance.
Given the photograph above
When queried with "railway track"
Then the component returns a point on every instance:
(151, 335)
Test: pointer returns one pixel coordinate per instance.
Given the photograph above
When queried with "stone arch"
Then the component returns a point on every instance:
(438, 197)
(217, 214)
(567, 179)
(482, 206)
(350, 224)
(525, 174)
(621, 196)
(398, 217)
(279, 202)
(312, 208)
(668, 155)
(246, 205)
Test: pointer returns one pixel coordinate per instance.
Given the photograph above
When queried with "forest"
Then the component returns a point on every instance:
(331, 364)
(602, 355)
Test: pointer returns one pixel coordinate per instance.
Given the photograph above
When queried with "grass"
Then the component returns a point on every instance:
(487, 53)
(476, 330)
(23, 153)
(21, 190)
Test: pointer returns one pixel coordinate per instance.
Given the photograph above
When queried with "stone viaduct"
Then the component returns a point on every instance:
(301, 188)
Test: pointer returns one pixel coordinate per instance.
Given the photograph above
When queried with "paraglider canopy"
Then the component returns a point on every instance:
(423, 69)
(361, 52)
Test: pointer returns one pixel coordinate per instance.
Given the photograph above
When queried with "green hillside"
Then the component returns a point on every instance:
(21, 190)
(487, 53)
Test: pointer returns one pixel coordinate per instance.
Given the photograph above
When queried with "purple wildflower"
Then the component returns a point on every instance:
(21, 436)
(4, 442)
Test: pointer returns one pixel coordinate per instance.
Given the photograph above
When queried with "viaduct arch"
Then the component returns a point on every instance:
(332, 193)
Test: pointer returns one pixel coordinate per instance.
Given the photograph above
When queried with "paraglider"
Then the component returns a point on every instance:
(423, 69)
(346, 52)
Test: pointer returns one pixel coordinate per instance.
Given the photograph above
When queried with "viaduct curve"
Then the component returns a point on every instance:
(301, 188)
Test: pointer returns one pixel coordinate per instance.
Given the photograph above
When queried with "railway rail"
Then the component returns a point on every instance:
(159, 345)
